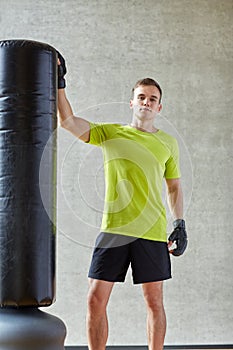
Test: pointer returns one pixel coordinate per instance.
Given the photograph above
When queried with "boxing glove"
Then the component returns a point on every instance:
(179, 236)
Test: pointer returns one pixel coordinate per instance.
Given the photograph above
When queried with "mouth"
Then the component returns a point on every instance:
(145, 109)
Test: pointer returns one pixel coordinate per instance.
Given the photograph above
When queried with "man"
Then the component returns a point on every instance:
(137, 157)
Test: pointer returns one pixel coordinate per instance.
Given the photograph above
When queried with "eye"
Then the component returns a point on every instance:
(140, 97)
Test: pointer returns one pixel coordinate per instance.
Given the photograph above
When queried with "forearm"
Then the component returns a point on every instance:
(175, 201)
(76, 125)
(65, 111)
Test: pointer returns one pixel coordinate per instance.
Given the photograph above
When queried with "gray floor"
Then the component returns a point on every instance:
(109, 348)
(181, 347)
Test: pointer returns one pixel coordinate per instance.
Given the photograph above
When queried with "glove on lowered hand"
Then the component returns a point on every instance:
(61, 71)
(179, 236)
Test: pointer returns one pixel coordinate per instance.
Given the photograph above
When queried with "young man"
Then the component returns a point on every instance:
(137, 157)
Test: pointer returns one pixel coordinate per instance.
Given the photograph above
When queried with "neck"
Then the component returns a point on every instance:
(143, 125)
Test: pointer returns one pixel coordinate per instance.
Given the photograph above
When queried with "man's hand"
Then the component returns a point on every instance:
(61, 71)
(179, 236)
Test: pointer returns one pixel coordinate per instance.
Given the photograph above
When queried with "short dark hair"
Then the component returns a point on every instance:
(148, 81)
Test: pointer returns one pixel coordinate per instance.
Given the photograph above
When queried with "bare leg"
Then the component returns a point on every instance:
(97, 322)
(156, 318)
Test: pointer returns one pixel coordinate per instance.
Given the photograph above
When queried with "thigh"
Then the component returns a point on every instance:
(150, 261)
(110, 261)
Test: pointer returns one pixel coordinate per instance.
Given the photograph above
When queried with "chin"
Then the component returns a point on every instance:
(145, 116)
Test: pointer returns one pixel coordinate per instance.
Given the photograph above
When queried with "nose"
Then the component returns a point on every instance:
(146, 102)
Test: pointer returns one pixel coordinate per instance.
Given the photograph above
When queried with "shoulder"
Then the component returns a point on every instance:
(107, 128)
(167, 138)
(106, 125)
(169, 141)
(100, 132)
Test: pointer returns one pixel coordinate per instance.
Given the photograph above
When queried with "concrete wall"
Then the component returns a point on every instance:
(108, 44)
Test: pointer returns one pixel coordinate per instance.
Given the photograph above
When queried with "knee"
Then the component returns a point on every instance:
(155, 305)
(95, 303)
(153, 294)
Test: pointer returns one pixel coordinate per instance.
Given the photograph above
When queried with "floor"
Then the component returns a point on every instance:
(181, 347)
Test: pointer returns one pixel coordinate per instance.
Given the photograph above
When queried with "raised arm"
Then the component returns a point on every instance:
(76, 125)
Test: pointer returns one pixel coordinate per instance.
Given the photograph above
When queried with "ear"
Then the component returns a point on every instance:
(160, 107)
(131, 104)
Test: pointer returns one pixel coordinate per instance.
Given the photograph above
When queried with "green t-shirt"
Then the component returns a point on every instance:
(135, 164)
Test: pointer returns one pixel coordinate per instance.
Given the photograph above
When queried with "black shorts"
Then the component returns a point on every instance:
(150, 260)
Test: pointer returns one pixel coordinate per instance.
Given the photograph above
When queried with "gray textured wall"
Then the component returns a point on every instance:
(187, 46)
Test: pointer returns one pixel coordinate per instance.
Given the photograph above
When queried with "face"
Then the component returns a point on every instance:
(145, 103)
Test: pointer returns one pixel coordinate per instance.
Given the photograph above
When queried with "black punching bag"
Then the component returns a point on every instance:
(28, 107)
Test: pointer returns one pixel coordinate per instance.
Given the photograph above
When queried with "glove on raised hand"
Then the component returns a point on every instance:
(179, 236)
(61, 71)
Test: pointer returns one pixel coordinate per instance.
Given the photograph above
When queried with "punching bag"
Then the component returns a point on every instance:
(28, 108)
(27, 121)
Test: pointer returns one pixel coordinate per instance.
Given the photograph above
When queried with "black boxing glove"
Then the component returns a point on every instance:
(61, 71)
(179, 236)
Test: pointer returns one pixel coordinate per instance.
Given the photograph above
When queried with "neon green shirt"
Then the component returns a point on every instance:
(135, 164)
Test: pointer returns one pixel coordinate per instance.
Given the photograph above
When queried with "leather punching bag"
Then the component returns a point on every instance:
(28, 108)
(27, 121)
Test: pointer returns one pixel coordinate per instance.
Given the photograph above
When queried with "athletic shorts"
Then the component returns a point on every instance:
(113, 254)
